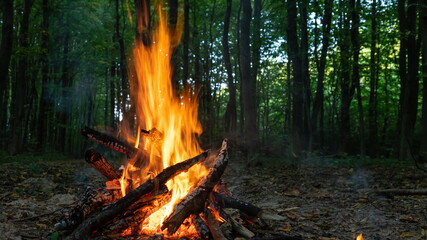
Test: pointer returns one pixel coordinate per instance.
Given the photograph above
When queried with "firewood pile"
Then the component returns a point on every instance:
(204, 211)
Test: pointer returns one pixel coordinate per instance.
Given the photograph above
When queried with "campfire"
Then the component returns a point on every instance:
(170, 187)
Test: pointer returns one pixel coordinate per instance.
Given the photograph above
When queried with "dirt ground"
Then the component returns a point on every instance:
(322, 199)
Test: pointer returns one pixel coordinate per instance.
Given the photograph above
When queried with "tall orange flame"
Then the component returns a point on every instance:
(172, 117)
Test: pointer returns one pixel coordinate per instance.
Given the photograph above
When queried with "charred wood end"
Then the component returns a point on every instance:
(109, 141)
(97, 161)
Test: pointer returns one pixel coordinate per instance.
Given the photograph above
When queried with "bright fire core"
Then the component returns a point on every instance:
(173, 116)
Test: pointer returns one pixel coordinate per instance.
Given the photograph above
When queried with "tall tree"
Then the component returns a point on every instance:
(247, 83)
(347, 88)
(355, 42)
(423, 26)
(20, 86)
(373, 84)
(5, 55)
(298, 55)
(185, 56)
(319, 96)
(409, 75)
(44, 95)
(231, 111)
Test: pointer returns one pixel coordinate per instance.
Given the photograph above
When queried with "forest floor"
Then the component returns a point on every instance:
(322, 199)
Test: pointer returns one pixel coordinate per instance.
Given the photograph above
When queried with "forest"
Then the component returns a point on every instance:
(279, 78)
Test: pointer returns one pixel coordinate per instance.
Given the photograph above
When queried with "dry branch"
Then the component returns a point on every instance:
(97, 161)
(194, 202)
(401, 192)
(84, 230)
(92, 200)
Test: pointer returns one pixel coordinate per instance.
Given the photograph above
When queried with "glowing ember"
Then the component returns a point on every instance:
(360, 237)
(167, 114)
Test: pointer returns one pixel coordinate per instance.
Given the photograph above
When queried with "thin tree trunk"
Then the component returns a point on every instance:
(423, 26)
(355, 6)
(248, 85)
(185, 57)
(298, 86)
(373, 84)
(410, 96)
(20, 87)
(44, 106)
(231, 111)
(5, 55)
(347, 88)
(319, 97)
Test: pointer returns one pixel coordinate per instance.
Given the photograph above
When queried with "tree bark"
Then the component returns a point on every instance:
(44, 105)
(423, 26)
(409, 103)
(373, 85)
(20, 86)
(298, 82)
(248, 85)
(319, 97)
(6, 47)
(231, 111)
(355, 6)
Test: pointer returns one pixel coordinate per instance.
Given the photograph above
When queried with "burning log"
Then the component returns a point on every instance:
(97, 161)
(92, 200)
(201, 227)
(194, 202)
(120, 206)
(137, 213)
(214, 227)
(109, 141)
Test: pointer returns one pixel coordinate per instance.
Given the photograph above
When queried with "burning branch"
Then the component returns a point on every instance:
(194, 202)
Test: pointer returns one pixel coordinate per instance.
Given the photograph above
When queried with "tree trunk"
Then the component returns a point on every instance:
(248, 85)
(319, 97)
(231, 111)
(298, 86)
(355, 6)
(373, 84)
(20, 87)
(185, 57)
(44, 106)
(409, 103)
(5, 55)
(423, 26)
(347, 88)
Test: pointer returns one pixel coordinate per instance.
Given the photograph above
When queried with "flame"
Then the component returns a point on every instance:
(216, 214)
(166, 113)
(360, 237)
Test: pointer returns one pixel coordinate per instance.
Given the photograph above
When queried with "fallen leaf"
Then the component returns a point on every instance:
(407, 235)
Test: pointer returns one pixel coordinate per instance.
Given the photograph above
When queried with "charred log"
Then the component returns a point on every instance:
(194, 202)
(237, 227)
(110, 141)
(202, 227)
(401, 192)
(120, 206)
(97, 161)
(215, 226)
(92, 200)
(137, 213)
(246, 208)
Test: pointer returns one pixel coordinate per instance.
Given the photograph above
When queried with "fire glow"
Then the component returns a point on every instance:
(174, 117)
